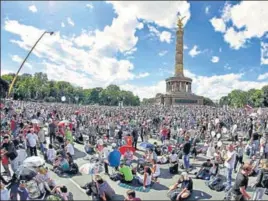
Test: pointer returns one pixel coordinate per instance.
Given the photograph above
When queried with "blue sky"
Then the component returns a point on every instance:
(132, 44)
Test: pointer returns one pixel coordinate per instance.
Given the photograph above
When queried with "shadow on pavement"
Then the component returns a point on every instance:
(199, 195)
(159, 187)
(79, 154)
(118, 198)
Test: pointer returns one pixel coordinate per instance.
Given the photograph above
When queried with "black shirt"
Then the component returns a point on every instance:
(262, 172)
(186, 148)
(120, 133)
(188, 184)
(207, 165)
(241, 181)
(255, 136)
(11, 150)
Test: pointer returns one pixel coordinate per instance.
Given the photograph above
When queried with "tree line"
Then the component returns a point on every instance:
(253, 97)
(38, 87)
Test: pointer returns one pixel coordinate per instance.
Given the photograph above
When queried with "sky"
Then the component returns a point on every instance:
(132, 44)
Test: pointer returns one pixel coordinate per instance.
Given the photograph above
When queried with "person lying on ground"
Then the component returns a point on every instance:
(186, 187)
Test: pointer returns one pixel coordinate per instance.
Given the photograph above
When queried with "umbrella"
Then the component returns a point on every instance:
(124, 149)
(25, 173)
(34, 162)
(146, 145)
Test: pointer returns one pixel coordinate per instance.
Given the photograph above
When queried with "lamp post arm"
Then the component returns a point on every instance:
(15, 78)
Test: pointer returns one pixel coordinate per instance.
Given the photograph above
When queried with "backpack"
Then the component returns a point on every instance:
(217, 184)
(114, 177)
(264, 181)
(74, 169)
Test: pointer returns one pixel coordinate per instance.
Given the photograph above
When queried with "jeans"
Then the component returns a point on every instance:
(42, 147)
(229, 172)
(33, 151)
(259, 193)
(186, 162)
(14, 164)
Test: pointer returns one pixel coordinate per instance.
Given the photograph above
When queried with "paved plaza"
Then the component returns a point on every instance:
(157, 192)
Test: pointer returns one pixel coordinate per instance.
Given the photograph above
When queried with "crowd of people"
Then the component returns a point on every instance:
(233, 141)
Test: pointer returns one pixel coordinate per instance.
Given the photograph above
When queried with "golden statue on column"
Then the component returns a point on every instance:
(179, 49)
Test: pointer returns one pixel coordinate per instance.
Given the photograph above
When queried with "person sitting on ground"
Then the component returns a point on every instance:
(105, 191)
(114, 157)
(157, 149)
(204, 172)
(128, 157)
(61, 165)
(254, 162)
(155, 171)
(23, 191)
(50, 154)
(126, 173)
(131, 196)
(62, 191)
(186, 186)
(89, 148)
(146, 180)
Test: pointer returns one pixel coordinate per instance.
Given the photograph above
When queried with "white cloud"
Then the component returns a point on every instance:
(194, 51)
(235, 39)
(215, 59)
(227, 67)
(164, 36)
(264, 53)
(207, 9)
(140, 26)
(185, 47)
(33, 8)
(218, 24)
(142, 75)
(162, 53)
(247, 19)
(90, 6)
(131, 51)
(70, 21)
(62, 24)
(263, 76)
(19, 60)
(213, 87)
(97, 63)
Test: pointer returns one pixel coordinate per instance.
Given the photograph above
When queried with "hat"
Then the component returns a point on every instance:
(113, 145)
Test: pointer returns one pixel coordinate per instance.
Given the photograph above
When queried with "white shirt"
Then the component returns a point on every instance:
(173, 158)
(22, 155)
(32, 139)
(157, 170)
(70, 149)
(51, 154)
(105, 152)
(4, 194)
(230, 164)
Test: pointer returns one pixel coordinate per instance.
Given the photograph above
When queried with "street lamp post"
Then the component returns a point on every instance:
(15, 78)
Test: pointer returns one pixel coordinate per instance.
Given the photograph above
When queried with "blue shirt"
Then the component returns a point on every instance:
(114, 158)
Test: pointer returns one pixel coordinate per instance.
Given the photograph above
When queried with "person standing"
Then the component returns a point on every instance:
(52, 131)
(186, 153)
(229, 165)
(238, 191)
(135, 136)
(239, 155)
(32, 139)
(262, 181)
(10, 152)
(42, 140)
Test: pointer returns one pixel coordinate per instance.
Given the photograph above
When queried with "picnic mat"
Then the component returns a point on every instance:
(134, 187)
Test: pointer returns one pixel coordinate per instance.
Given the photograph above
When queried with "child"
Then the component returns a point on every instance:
(51, 154)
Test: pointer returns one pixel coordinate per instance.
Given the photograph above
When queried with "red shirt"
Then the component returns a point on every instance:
(4, 158)
(12, 124)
